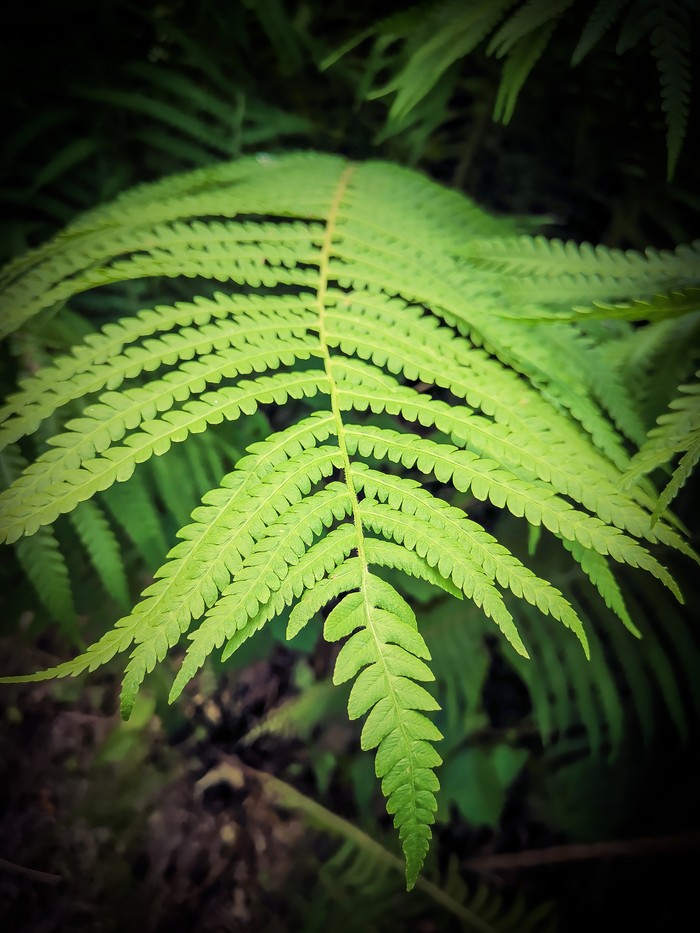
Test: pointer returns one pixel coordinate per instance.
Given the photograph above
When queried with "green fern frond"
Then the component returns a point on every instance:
(599, 22)
(635, 26)
(624, 692)
(454, 31)
(526, 20)
(542, 258)
(433, 38)
(261, 574)
(659, 308)
(160, 111)
(145, 343)
(597, 569)
(134, 510)
(40, 557)
(676, 432)
(464, 553)
(521, 59)
(349, 291)
(670, 44)
(102, 549)
(178, 84)
(363, 863)
(656, 360)
(485, 480)
(604, 382)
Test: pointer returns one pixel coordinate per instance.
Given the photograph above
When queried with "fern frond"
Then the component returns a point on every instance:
(40, 557)
(599, 22)
(179, 85)
(350, 291)
(102, 549)
(439, 551)
(604, 383)
(260, 575)
(474, 559)
(586, 266)
(676, 432)
(658, 308)
(597, 569)
(363, 860)
(365, 327)
(670, 44)
(341, 580)
(362, 388)
(656, 360)
(527, 19)
(161, 111)
(60, 481)
(626, 680)
(521, 59)
(107, 359)
(134, 510)
(485, 480)
(455, 31)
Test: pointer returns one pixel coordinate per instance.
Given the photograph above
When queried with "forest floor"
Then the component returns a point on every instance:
(165, 824)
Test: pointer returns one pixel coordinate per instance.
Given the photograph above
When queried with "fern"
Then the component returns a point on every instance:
(670, 45)
(102, 548)
(41, 559)
(631, 689)
(599, 22)
(436, 36)
(365, 868)
(345, 289)
(676, 432)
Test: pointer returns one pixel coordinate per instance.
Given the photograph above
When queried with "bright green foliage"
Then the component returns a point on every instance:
(364, 293)
(676, 432)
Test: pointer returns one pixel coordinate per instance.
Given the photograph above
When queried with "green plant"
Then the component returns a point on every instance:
(433, 37)
(367, 289)
(362, 872)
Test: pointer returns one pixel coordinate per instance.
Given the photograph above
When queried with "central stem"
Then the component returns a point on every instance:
(328, 364)
(347, 466)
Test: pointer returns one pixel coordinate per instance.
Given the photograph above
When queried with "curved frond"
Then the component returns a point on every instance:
(561, 267)
(374, 311)
(40, 556)
(676, 432)
(527, 19)
(521, 59)
(102, 549)
(599, 22)
(670, 44)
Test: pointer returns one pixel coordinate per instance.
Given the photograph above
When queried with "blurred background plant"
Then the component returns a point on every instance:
(573, 115)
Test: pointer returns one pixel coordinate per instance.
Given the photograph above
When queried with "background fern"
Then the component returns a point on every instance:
(434, 37)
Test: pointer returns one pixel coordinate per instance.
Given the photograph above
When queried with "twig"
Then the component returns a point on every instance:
(533, 858)
(44, 876)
